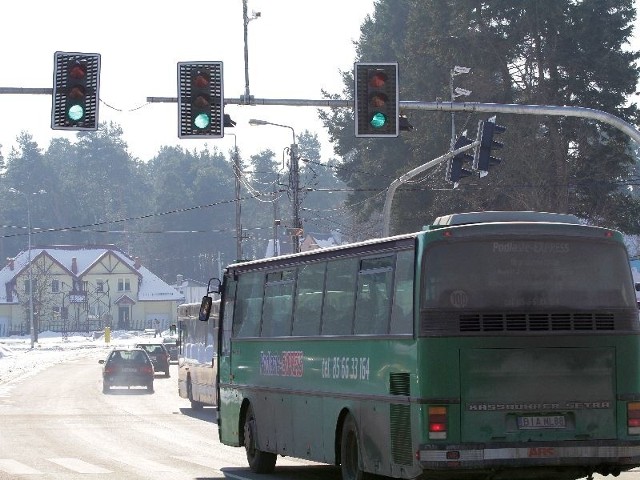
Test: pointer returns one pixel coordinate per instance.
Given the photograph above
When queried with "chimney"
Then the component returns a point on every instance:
(74, 265)
(137, 263)
(179, 280)
(10, 263)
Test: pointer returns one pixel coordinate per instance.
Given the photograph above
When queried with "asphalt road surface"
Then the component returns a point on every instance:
(59, 425)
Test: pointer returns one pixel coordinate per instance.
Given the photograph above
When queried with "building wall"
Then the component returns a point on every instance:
(100, 308)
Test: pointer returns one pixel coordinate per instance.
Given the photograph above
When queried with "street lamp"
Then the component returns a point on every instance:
(293, 152)
(457, 92)
(26, 196)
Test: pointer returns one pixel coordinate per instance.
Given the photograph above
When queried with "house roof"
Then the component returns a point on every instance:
(151, 287)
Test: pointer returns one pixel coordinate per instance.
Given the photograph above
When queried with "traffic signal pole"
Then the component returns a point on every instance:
(475, 107)
(386, 211)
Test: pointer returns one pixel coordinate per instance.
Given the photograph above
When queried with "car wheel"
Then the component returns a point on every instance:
(167, 374)
(150, 387)
(105, 387)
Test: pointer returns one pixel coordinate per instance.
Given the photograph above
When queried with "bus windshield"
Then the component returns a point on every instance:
(527, 274)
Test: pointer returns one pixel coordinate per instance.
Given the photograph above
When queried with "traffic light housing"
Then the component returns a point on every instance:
(456, 170)
(484, 161)
(76, 85)
(200, 100)
(377, 112)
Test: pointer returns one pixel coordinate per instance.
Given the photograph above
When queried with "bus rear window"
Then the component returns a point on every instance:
(527, 274)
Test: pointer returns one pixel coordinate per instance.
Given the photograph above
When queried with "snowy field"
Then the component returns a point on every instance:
(18, 360)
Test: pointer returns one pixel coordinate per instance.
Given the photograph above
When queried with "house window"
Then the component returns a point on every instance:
(27, 285)
(99, 285)
(124, 285)
(55, 286)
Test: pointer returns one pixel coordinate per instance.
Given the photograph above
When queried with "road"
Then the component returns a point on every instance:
(57, 424)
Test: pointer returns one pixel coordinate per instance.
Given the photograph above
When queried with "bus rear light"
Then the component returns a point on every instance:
(437, 423)
(633, 418)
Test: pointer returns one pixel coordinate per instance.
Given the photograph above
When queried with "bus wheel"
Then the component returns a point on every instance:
(350, 464)
(259, 461)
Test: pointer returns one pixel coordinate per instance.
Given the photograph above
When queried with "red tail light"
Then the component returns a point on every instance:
(633, 418)
(437, 423)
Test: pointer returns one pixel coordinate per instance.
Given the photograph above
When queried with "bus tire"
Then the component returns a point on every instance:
(259, 461)
(350, 459)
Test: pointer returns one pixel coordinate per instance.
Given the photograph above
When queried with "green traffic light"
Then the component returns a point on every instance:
(202, 121)
(378, 120)
(75, 112)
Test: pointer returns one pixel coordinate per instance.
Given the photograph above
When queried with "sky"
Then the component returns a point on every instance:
(296, 48)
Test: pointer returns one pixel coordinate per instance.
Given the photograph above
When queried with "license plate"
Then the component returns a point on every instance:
(542, 421)
(129, 370)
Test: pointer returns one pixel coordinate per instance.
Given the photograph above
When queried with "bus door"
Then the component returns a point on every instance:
(224, 356)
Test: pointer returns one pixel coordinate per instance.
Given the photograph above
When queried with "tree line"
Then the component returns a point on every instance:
(176, 212)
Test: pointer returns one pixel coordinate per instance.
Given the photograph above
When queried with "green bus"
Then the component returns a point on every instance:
(490, 344)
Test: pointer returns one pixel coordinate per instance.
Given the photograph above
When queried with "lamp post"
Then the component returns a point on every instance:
(237, 173)
(295, 180)
(457, 92)
(26, 196)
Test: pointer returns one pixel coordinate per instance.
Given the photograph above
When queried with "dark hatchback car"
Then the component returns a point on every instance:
(172, 345)
(127, 367)
(158, 354)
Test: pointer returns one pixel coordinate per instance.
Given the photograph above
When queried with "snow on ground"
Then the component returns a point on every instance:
(18, 360)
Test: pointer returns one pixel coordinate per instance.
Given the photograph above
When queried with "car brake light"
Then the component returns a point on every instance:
(633, 418)
(437, 423)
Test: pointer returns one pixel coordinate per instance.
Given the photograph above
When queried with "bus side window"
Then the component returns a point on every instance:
(246, 322)
(372, 304)
(402, 309)
(306, 320)
(276, 316)
(339, 297)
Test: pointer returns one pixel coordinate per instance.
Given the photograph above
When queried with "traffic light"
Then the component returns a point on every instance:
(377, 111)
(488, 129)
(76, 84)
(200, 100)
(456, 170)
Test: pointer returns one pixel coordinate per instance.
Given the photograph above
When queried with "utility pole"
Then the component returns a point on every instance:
(246, 19)
(237, 172)
(295, 179)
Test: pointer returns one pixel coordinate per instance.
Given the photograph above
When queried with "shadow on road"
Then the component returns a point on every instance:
(206, 414)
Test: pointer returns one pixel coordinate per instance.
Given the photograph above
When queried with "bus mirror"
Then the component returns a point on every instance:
(637, 287)
(205, 308)
(215, 288)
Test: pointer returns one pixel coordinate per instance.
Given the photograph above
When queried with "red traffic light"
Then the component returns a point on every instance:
(378, 79)
(200, 80)
(77, 71)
